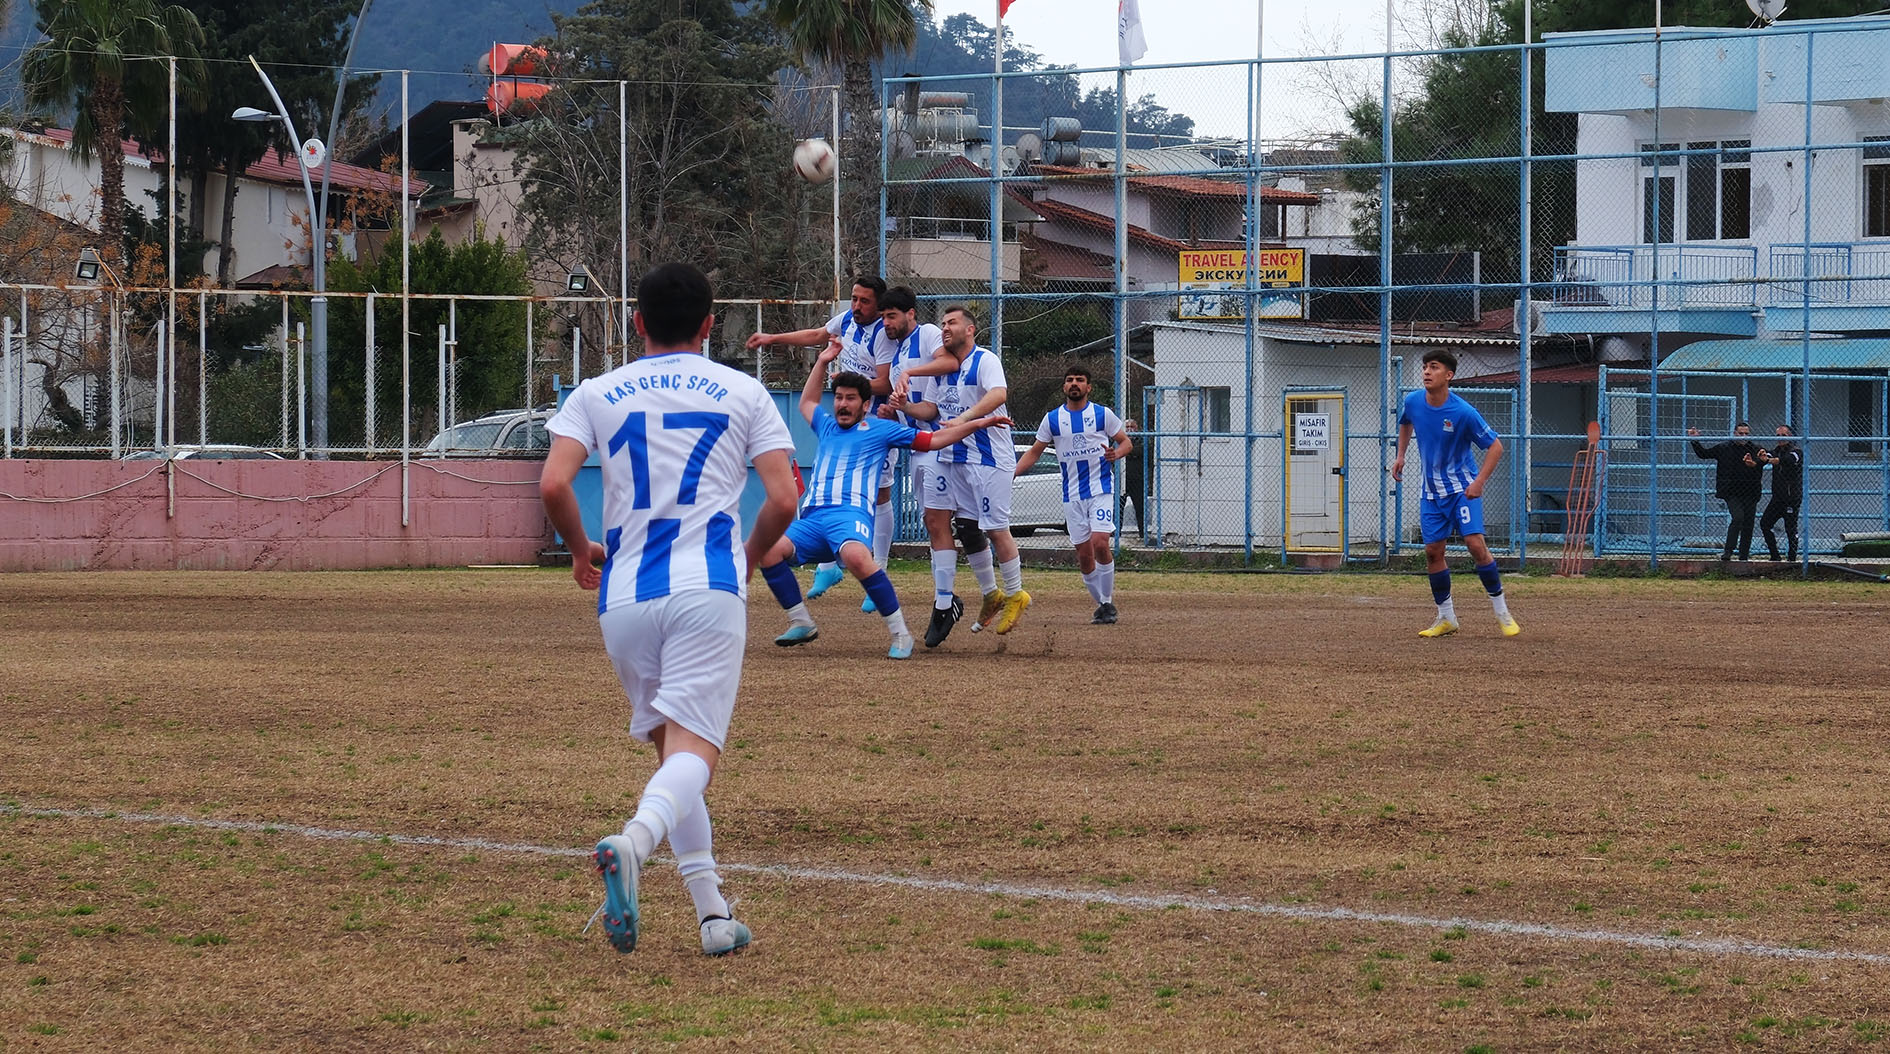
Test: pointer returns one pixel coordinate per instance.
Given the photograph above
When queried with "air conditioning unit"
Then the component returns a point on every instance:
(1533, 314)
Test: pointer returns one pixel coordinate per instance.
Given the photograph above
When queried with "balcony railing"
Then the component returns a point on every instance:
(1623, 276)
(1839, 273)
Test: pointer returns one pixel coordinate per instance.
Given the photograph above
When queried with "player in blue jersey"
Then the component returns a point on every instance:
(858, 331)
(675, 434)
(974, 478)
(1090, 439)
(836, 517)
(1446, 427)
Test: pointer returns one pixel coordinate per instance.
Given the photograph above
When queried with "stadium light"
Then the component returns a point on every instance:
(89, 265)
(578, 281)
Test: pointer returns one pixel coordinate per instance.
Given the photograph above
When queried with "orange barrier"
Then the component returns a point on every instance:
(1589, 465)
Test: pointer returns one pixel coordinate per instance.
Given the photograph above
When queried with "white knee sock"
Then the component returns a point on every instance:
(1091, 582)
(882, 533)
(944, 569)
(981, 567)
(1013, 572)
(677, 785)
(693, 842)
(1106, 582)
(798, 615)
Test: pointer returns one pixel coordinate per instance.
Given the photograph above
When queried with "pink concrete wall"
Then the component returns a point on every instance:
(462, 512)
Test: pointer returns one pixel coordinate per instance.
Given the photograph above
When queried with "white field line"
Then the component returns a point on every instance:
(1710, 946)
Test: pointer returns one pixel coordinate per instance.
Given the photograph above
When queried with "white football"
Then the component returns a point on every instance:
(814, 160)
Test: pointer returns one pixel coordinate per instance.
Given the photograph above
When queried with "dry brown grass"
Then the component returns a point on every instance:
(1694, 759)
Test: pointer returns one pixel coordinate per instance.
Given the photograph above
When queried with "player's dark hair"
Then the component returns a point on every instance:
(1440, 355)
(873, 282)
(898, 298)
(673, 299)
(962, 310)
(857, 382)
(1076, 370)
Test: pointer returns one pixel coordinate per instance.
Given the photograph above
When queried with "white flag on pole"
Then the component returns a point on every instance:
(1129, 37)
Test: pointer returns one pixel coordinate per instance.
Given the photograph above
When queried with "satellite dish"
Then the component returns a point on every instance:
(902, 145)
(1767, 10)
(1008, 157)
(1030, 147)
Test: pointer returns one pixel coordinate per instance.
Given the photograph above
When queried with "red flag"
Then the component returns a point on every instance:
(1004, 8)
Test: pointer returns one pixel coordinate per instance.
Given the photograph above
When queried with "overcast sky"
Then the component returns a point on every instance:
(1083, 33)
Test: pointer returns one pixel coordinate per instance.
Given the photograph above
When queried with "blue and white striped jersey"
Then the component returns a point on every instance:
(1444, 437)
(846, 469)
(674, 435)
(955, 393)
(1082, 437)
(856, 351)
(901, 354)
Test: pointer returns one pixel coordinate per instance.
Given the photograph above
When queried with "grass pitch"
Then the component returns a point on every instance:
(1258, 813)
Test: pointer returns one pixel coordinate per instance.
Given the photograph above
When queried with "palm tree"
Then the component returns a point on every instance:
(109, 58)
(849, 35)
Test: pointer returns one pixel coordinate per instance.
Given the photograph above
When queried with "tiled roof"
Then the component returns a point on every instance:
(1057, 210)
(1190, 186)
(1068, 263)
(275, 167)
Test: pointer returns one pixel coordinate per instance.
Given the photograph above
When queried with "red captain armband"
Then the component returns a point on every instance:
(922, 442)
(800, 485)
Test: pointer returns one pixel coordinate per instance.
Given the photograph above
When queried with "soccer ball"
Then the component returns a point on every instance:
(814, 160)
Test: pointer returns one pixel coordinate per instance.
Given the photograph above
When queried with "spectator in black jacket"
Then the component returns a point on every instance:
(1788, 490)
(1738, 480)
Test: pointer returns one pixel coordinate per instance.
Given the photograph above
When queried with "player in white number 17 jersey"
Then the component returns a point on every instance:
(675, 434)
(1089, 440)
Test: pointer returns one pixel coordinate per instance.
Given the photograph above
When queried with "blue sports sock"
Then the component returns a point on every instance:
(1440, 585)
(882, 593)
(1492, 579)
(782, 583)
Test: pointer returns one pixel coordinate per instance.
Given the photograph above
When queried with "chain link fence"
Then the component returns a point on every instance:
(1660, 233)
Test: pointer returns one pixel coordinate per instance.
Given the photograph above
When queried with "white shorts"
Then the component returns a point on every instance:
(932, 484)
(1087, 516)
(983, 493)
(680, 659)
(887, 470)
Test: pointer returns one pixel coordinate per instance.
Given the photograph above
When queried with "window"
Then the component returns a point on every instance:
(1877, 187)
(1657, 192)
(1220, 409)
(1862, 416)
(1710, 187)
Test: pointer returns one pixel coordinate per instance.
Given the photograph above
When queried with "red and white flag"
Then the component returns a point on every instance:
(1004, 8)
(1129, 39)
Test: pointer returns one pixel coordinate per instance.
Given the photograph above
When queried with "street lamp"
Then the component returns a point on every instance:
(310, 153)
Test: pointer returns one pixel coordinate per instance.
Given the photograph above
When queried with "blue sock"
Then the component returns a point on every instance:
(881, 590)
(1440, 585)
(782, 583)
(1492, 579)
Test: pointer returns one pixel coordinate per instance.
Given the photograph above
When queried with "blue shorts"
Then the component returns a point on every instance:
(819, 533)
(1441, 516)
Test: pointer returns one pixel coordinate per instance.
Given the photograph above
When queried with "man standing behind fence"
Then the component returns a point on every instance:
(1738, 478)
(1788, 489)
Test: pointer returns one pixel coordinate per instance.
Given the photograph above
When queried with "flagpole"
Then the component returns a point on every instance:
(995, 339)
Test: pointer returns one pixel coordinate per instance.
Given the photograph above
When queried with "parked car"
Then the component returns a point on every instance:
(205, 452)
(502, 433)
(1037, 499)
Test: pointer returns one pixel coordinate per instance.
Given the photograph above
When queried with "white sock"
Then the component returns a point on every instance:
(692, 841)
(798, 615)
(1106, 581)
(1013, 572)
(981, 567)
(896, 623)
(828, 566)
(882, 533)
(1091, 583)
(678, 783)
(944, 569)
(1447, 611)
(1501, 605)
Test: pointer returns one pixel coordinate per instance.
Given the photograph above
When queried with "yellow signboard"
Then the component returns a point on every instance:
(1273, 268)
